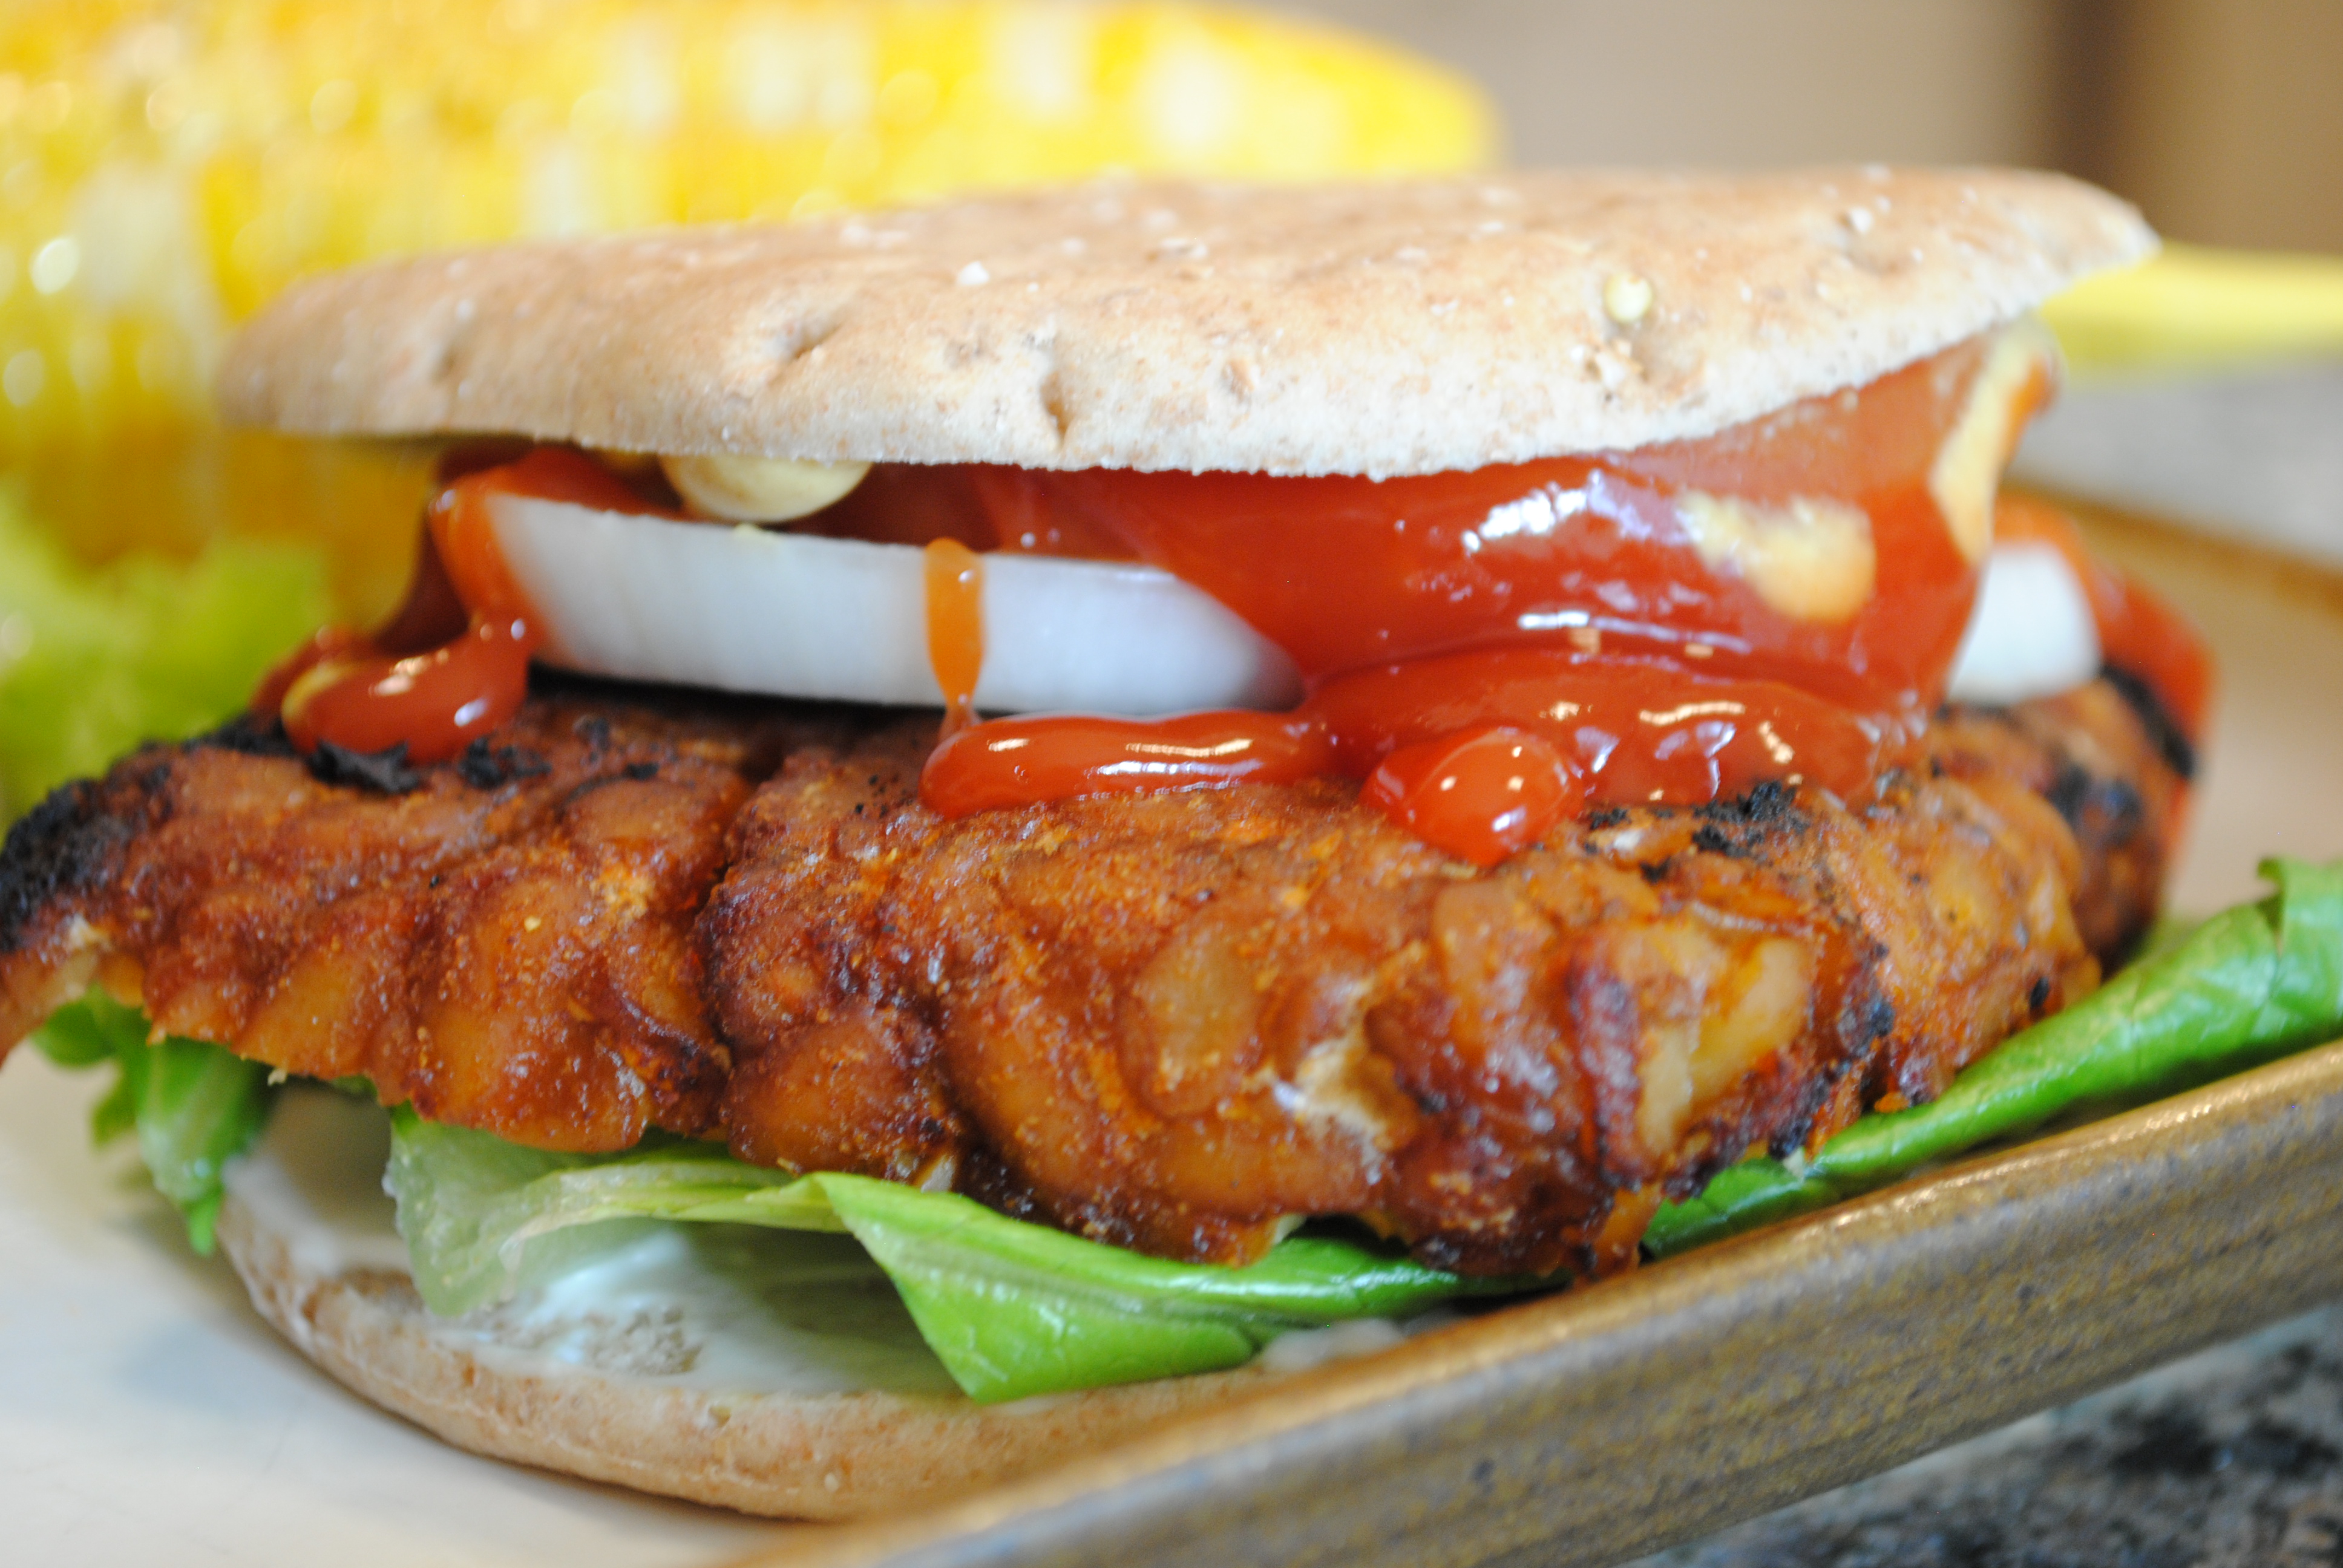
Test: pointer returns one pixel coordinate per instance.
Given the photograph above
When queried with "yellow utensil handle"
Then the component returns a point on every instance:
(2191, 307)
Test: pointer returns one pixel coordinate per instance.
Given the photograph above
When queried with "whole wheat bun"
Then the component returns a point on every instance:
(1374, 329)
(827, 1457)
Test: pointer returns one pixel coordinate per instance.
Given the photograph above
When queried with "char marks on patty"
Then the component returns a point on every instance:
(1168, 1021)
(515, 957)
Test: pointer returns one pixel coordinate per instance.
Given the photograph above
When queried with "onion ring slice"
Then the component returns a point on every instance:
(2032, 632)
(789, 615)
(793, 614)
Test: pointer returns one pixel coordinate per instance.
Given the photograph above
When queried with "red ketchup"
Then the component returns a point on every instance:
(453, 664)
(1490, 652)
(1597, 732)
(955, 592)
(1480, 794)
(1015, 763)
(1493, 650)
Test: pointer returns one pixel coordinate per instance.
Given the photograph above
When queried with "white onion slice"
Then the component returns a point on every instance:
(2031, 634)
(742, 609)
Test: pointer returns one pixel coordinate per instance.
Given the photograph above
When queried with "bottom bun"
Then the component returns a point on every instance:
(824, 1455)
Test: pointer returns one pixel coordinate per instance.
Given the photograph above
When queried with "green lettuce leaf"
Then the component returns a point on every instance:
(2249, 984)
(1014, 1309)
(94, 661)
(1011, 1309)
(1757, 1192)
(484, 1219)
(193, 1107)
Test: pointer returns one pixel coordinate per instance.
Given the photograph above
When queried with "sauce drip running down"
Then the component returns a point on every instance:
(1048, 759)
(955, 590)
(1628, 552)
(1610, 731)
(1491, 789)
(1493, 650)
(452, 664)
(1487, 652)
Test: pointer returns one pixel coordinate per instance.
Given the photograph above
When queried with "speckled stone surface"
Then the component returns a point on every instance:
(2232, 1457)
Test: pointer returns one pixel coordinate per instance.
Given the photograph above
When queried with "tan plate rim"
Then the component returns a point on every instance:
(1589, 1427)
(1592, 1426)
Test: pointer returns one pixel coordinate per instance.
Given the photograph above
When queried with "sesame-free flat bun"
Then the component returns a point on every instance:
(1373, 329)
(791, 1455)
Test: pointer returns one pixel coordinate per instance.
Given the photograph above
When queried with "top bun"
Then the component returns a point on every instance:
(1376, 330)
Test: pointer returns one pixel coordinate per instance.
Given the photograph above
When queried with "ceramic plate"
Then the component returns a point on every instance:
(147, 1415)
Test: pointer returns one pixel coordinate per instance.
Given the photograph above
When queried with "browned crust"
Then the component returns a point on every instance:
(1165, 1022)
(1364, 329)
(832, 1456)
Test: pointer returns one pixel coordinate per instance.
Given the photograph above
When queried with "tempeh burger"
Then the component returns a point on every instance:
(1369, 736)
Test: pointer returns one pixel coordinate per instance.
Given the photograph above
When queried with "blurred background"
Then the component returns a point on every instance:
(168, 164)
(2222, 119)
(2207, 387)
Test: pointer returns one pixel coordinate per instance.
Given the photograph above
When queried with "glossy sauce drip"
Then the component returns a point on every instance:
(955, 595)
(1604, 731)
(1480, 794)
(1345, 572)
(1571, 608)
(1490, 651)
(1017, 762)
(2139, 633)
(453, 663)
(1632, 732)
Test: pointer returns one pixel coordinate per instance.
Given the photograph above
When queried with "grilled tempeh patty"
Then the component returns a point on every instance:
(1168, 1022)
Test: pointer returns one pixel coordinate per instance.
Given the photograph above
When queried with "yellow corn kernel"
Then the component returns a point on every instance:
(165, 169)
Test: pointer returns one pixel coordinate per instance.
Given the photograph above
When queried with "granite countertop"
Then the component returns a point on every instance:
(2232, 1457)
(2236, 1456)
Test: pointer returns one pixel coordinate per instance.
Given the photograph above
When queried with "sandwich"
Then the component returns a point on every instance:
(1148, 779)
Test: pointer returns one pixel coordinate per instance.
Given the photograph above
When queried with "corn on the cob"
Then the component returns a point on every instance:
(163, 168)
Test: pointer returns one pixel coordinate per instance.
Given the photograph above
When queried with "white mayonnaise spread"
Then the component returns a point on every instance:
(732, 1308)
(1337, 1341)
(314, 1182)
(728, 1307)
